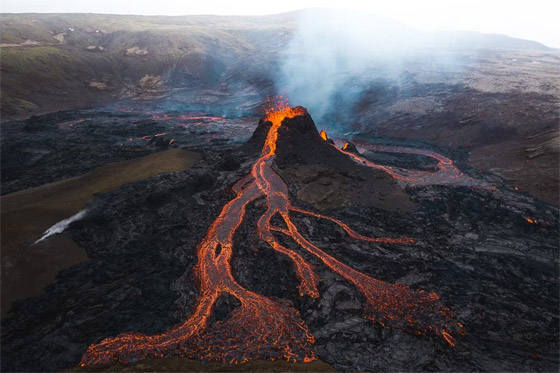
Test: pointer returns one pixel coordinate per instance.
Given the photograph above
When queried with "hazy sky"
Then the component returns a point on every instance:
(533, 19)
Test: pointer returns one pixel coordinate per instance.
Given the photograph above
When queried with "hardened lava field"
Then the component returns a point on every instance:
(224, 263)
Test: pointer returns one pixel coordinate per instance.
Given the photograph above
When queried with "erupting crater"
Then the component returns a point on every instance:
(261, 327)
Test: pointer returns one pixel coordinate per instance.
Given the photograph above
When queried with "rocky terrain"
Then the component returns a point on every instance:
(492, 257)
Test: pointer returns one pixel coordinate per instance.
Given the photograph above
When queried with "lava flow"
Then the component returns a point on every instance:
(263, 328)
(71, 124)
(446, 173)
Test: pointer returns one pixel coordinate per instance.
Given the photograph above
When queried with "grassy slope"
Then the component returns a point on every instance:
(187, 51)
(47, 64)
(28, 213)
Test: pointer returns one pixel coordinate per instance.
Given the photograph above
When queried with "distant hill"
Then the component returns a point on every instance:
(62, 61)
(474, 40)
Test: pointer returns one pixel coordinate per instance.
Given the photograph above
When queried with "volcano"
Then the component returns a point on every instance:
(260, 327)
(233, 261)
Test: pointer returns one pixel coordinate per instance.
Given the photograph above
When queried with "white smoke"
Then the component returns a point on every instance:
(333, 56)
(329, 47)
(61, 226)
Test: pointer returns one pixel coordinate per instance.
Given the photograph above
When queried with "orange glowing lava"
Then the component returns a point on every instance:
(323, 135)
(263, 328)
(446, 173)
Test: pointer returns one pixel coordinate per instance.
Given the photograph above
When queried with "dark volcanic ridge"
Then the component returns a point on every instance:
(497, 271)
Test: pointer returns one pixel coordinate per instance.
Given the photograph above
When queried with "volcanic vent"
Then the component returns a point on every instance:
(298, 142)
(321, 173)
(262, 327)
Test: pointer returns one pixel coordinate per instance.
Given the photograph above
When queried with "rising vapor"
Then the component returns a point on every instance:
(334, 55)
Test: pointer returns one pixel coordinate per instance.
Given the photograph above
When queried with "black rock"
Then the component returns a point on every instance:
(497, 272)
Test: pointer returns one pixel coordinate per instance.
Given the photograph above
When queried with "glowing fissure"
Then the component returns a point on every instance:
(263, 328)
(198, 118)
(201, 117)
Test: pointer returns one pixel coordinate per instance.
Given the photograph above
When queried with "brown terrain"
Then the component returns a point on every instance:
(26, 267)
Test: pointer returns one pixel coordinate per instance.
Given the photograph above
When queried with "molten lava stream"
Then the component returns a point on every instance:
(262, 328)
(446, 173)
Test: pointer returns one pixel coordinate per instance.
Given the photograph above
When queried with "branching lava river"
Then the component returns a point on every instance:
(263, 328)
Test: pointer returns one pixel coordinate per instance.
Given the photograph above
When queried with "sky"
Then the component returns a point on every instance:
(534, 20)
